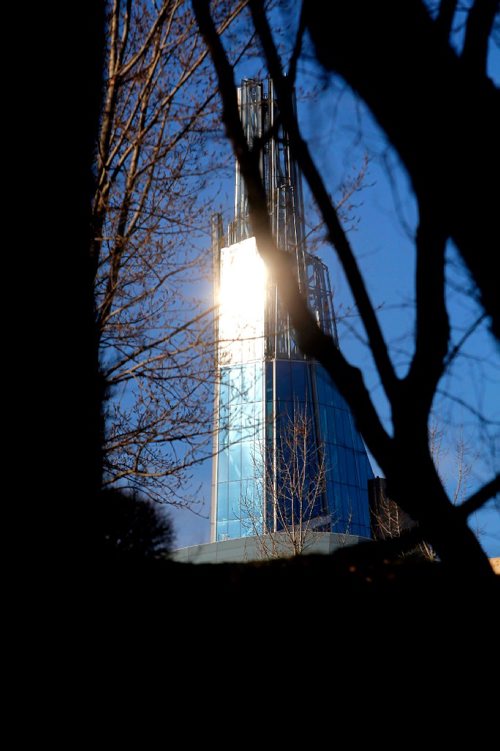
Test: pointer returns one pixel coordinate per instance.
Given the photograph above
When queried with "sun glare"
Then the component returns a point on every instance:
(242, 293)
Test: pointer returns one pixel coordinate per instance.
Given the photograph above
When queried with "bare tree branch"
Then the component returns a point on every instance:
(148, 208)
(477, 34)
(428, 362)
(432, 107)
(328, 212)
(445, 17)
(480, 497)
(292, 67)
(457, 348)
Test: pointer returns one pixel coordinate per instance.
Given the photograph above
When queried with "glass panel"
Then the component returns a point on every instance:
(283, 380)
(235, 380)
(222, 531)
(279, 415)
(354, 495)
(236, 414)
(341, 469)
(234, 511)
(352, 508)
(333, 464)
(365, 470)
(224, 406)
(223, 438)
(358, 441)
(319, 384)
(319, 373)
(332, 432)
(259, 382)
(323, 423)
(345, 508)
(346, 424)
(269, 381)
(222, 465)
(224, 376)
(328, 391)
(352, 467)
(248, 382)
(258, 417)
(247, 460)
(269, 431)
(251, 527)
(247, 420)
(223, 394)
(299, 380)
(222, 502)
(338, 399)
(329, 494)
(339, 424)
(235, 461)
(251, 507)
(234, 436)
(234, 529)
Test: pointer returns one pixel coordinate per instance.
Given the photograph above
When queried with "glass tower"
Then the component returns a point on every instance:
(286, 446)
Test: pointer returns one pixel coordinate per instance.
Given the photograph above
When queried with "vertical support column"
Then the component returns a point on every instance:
(217, 239)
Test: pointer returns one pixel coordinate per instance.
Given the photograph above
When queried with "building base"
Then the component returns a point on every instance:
(245, 549)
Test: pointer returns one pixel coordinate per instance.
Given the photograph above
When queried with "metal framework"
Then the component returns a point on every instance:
(263, 129)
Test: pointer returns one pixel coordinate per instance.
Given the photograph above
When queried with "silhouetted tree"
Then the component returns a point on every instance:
(67, 397)
(152, 169)
(390, 521)
(134, 526)
(425, 97)
(289, 485)
(438, 107)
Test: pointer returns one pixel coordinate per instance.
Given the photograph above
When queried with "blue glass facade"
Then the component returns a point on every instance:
(292, 440)
(239, 501)
(257, 403)
(347, 466)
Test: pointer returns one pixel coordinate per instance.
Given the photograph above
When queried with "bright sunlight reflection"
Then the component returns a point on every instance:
(242, 294)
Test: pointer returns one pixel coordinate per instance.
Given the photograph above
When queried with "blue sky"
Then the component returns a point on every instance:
(341, 133)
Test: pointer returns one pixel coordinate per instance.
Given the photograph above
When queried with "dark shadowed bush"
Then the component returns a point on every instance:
(134, 526)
